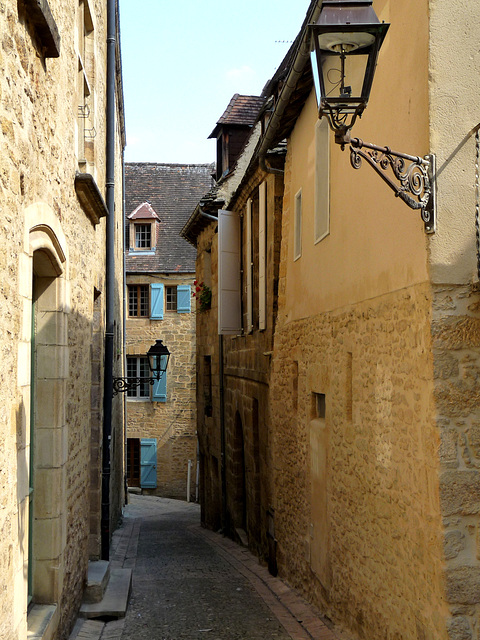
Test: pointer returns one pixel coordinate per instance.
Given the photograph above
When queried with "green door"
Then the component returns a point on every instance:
(32, 439)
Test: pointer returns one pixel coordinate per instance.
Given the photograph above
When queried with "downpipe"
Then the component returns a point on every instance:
(109, 280)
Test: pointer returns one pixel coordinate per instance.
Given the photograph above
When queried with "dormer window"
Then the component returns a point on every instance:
(143, 236)
(143, 224)
(233, 129)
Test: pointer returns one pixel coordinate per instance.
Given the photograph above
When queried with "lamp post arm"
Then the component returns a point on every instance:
(120, 385)
(414, 175)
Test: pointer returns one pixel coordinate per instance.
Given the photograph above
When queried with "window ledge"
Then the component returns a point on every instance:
(39, 621)
(90, 197)
(141, 252)
(41, 18)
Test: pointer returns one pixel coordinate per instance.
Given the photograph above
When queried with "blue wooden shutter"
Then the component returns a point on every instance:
(183, 298)
(159, 391)
(156, 301)
(148, 463)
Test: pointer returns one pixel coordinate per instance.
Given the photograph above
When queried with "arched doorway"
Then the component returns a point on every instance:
(48, 436)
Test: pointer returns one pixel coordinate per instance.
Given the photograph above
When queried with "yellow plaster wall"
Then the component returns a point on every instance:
(454, 111)
(385, 238)
(358, 518)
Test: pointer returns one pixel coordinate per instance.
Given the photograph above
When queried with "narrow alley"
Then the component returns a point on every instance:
(190, 583)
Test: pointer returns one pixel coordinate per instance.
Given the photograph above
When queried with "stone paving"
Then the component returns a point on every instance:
(193, 584)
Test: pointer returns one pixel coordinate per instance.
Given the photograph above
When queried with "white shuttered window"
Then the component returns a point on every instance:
(249, 267)
(229, 307)
(297, 240)
(322, 180)
(262, 258)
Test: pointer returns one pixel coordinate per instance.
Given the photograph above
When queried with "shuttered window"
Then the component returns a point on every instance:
(171, 298)
(138, 299)
(249, 266)
(322, 180)
(137, 367)
(229, 306)
(297, 241)
(262, 258)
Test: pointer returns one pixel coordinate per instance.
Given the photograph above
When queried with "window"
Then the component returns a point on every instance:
(262, 256)
(138, 300)
(229, 291)
(143, 236)
(137, 367)
(207, 386)
(171, 298)
(297, 244)
(322, 180)
(85, 93)
(249, 267)
(46, 30)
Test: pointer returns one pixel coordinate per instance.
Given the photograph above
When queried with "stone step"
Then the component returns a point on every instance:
(97, 580)
(242, 537)
(87, 630)
(115, 600)
(39, 619)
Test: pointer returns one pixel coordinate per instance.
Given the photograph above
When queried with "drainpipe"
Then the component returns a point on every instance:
(301, 58)
(124, 337)
(109, 279)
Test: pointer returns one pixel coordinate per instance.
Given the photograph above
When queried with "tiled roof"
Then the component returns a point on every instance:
(241, 111)
(143, 212)
(172, 191)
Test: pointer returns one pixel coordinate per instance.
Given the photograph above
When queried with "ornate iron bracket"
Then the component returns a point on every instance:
(415, 175)
(121, 385)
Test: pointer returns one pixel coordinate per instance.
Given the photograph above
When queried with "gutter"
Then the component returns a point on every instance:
(109, 279)
(301, 58)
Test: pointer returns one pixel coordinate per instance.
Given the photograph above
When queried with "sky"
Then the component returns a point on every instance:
(183, 60)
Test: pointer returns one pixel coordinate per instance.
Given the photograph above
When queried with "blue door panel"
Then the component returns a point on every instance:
(148, 463)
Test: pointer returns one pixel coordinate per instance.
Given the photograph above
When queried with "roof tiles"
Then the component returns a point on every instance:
(171, 191)
(241, 111)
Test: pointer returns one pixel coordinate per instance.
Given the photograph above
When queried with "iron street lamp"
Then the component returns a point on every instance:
(158, 356)
(347, 37)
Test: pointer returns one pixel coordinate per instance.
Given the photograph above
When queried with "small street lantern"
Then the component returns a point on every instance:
(346, 39)
(158, 357)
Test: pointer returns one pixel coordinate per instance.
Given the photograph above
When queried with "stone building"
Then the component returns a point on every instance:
(367, 449)
(54, 284)
(160, 266)
(233, 402)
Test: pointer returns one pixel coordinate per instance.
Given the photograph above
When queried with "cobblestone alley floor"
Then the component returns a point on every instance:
(190, 583)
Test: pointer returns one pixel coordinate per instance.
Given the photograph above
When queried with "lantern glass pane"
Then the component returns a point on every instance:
(354, 69)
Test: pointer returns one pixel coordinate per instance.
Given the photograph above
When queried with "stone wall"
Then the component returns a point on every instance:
(356, 469)
(45, 232)
(456, 351)
(173, 422)
(247, 478)
(208, 384)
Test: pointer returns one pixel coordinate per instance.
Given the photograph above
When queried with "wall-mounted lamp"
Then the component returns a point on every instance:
(158, 356)
(347, 38)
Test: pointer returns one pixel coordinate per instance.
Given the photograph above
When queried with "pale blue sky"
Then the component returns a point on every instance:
(184, 59)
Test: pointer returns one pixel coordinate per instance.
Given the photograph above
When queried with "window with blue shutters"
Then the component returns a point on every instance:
(156, 301)
(184, 297)
(159, 391)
